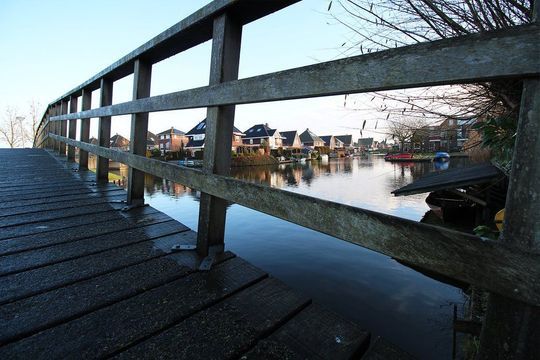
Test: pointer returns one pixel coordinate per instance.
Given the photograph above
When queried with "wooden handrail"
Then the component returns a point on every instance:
(488, 264)
(473, 58)
(509, 53)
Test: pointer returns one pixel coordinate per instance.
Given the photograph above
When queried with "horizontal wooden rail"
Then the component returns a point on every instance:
(488, 264)
(190, 32)
(473, 58)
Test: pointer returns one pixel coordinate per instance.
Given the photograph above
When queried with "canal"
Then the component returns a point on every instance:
(389, 299)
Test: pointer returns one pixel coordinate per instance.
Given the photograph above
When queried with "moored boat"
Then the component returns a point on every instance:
(398, 156)
(441, 156)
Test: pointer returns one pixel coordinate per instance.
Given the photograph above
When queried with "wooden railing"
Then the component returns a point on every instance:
(510, 268)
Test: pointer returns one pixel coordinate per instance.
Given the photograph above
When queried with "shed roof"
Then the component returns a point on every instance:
(451, 178)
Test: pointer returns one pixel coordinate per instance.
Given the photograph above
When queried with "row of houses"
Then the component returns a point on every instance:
(451, 134)
(260, 135)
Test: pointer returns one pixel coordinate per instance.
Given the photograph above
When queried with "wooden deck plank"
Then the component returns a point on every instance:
(227, 329)
(92, 336)
(55, 188)
(41, 216)
(28, 283)
(62, 223)
(315, 333)
(108, 226)
(62, 199)
(21, 210)
(40, 257)
(81, 279)
(31, 315)
(42, 195)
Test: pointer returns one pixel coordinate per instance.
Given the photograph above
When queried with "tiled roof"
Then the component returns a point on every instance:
(200, 128)
(195, 143)
(151, 139)
(365, 141)
(173, 130)
(259, 130)
(288, 137)
(345, 139)
(326, 139)
(118, 141)
(309, 136)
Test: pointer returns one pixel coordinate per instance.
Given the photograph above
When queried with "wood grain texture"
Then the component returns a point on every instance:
(474, 58)
(497, 267)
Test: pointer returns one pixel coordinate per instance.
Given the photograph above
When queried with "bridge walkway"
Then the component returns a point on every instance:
(81, 278)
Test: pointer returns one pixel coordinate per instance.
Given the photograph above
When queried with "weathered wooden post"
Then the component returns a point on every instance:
(63, 127)
(104, 130)
(72, 132)
(48, 128)
(511, 329)
(227, 35)
(86, 104)
(139, 128)
(56, 127)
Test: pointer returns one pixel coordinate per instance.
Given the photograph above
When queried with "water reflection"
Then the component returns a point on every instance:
(390, 299)
(364, 182)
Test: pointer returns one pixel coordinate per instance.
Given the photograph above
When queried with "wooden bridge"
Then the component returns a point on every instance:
(72, 289)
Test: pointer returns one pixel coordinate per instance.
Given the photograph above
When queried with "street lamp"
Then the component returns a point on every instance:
(20, 120)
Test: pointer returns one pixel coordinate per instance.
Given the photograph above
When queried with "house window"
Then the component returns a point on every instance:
(450, 122)
(251, 141)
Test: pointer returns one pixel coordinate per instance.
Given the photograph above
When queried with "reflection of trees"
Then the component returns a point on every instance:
(308, 174)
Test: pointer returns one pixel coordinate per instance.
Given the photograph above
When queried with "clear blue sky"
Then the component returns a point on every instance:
(49, 47)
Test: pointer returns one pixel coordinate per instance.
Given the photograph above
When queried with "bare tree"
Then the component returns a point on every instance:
(34, 118)
(10, 130)
(406, 130)
(384, 24)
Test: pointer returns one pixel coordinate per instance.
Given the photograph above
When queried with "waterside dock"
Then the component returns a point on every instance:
(81, 278)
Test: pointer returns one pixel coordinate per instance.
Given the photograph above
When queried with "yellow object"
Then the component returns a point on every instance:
(499, 218)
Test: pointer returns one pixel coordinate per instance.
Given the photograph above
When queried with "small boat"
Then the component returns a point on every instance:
(441, 156)
(398, 156)
(186, 162)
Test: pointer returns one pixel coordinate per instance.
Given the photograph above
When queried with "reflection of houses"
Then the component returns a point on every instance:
(260, 134)
(365, 144)
(171, 140)
(197, 136)
(291, 140)
(152, 141)
(310, 139)
(118, 142)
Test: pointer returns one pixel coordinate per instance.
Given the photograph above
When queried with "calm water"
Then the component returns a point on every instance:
(404, 306)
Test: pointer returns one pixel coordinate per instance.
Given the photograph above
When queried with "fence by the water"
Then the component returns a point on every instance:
(508, 268)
